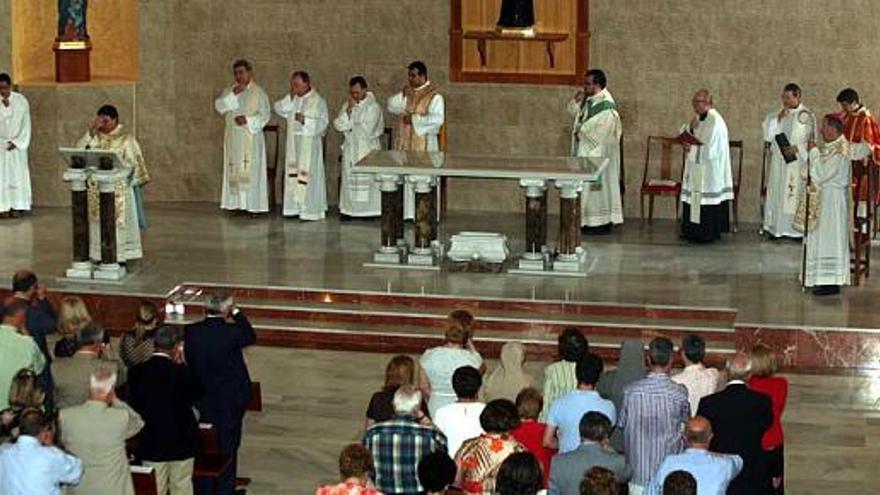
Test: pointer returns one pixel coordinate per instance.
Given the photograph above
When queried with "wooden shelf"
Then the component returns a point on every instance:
(483, 37)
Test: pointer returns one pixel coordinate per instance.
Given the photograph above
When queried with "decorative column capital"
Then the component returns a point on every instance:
(77, 178)
(569, 188)
(535, 188)
(388, 182)
(422, 183)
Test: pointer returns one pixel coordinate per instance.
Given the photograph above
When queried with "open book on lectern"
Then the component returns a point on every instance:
(79, 158)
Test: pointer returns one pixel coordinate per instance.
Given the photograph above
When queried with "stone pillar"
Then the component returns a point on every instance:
(569, 219)
(110, 269)
(77, 176)
(536, 217)
(392, 218)
(426, 213)
(398, 212)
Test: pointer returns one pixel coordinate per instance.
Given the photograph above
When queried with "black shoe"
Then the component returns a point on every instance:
(345, 218)
(599, 230)
(826, 290)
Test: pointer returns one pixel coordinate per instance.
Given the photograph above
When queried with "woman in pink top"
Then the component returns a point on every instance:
(776, 387)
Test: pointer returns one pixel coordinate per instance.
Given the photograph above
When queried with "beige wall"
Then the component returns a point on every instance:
(655, 52)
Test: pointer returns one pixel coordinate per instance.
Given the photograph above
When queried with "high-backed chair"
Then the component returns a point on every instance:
(272, 168)
(660, 178)
(860, 239)
(736, 165)
(443, 144)
(765, 162)
(622, 174)
(144, 480)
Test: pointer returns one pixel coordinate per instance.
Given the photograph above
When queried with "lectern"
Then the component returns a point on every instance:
(105, 170)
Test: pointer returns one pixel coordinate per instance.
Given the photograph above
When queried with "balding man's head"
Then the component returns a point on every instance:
(698, 432)
(702, 101)
(739, 367)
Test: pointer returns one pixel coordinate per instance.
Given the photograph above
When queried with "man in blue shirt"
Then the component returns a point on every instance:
(33, 464)
(566, 412)
(712, 471)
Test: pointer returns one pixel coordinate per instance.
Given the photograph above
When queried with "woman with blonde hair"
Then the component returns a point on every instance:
(73, 315)
(763, 380)
(23, 394)
(400, 371)
(437, 364)
(136, 345)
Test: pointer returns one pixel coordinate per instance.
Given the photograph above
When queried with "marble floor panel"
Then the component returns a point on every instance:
(636, 264)
(832, 423)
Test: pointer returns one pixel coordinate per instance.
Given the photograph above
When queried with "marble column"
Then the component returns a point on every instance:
(536, 217)
(109, 269)
(569, 219)
(398, 212)
(77, 176)
(426, 213)
(392, 218)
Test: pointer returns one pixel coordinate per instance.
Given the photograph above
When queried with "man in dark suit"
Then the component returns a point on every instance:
(739, 418)
(162, 391)
(567, 470)
(213, 349)
(41, 321)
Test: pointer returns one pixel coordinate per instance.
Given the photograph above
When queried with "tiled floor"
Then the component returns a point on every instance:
(198, 242)
(832, 424)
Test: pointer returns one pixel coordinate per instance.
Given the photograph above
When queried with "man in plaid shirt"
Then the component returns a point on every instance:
(399, 444)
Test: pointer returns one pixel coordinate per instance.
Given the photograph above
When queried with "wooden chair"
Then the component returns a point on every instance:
(622, 175)
(736, 165)
(209, 463)
(272, 170)
(443, 144)
(665, 181)
(144, 479)
(765, 162)
(862, 179)
(256, 402)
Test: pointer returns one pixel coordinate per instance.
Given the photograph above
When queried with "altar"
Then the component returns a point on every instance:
(535, 174)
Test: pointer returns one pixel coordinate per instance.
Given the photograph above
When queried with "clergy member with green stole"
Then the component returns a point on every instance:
(596, 133)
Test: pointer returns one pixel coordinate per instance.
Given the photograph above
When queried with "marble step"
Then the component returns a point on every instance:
(408, 339)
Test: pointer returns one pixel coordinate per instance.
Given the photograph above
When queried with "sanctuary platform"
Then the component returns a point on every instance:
(304, 285)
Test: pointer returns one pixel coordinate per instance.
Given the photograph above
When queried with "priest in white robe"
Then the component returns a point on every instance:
(828, 222)
(305, 187)
(596, 133)
(422, 114)
(15, 139)
(245, 108)
(106, 133)
(707, 188)
(798, 124)
(361, 123)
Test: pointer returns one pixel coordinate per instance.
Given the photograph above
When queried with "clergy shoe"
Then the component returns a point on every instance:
(826, 290)
(345, 218)
(14, 214)
(599, 230)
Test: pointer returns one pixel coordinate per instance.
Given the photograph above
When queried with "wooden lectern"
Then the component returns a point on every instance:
(72, 61)
(106, 168)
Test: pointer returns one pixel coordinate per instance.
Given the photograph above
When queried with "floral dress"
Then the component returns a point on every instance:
(479, 459)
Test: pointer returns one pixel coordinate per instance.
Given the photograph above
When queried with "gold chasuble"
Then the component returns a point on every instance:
(417, 103)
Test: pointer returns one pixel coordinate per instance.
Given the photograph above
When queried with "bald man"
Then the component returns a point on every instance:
(707, 187)
(739, 417)
(712, 471)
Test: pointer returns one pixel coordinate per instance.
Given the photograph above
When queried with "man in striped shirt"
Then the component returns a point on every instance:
(400, 443)
(654, 412)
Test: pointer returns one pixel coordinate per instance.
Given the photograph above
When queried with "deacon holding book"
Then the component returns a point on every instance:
(422, 113)
(788, 131)
(827, 168)
(707, 187)
(305, 190)
(596, 133)
(245, 108)
(106, 133)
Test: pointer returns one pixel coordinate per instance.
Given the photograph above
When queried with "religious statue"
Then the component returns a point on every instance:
(72, 20)
(517, 14)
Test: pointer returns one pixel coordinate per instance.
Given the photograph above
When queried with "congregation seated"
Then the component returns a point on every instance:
(72, 373)
(96, 431)
(136, 345)
(559, 377)
(508, 378)
(479, 458)
(400, 371)
(162, 391)
(24, 394)
(460, 420)
(568, 469)
(437, 474)
(17, 350)
(520, 474)
(530, 432)
(680, 483)
(398, 445)
(33, 464)
(713, 471)
(355, 469)
(563, 422)
(439, 363)
(599, 481)
(73, 316)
